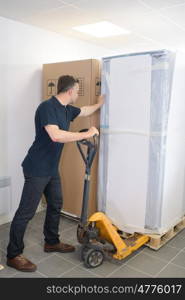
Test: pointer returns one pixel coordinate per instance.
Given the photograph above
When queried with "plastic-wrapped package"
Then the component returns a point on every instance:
(142, 141)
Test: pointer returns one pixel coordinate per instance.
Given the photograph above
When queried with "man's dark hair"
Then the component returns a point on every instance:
(65, 83)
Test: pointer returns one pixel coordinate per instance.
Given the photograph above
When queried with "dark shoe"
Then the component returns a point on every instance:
(21, 263)
(60, 247)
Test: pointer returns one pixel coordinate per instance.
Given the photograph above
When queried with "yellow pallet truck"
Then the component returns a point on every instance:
(98, 235)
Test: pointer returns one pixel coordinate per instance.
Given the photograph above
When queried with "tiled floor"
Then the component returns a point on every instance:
(168, 261)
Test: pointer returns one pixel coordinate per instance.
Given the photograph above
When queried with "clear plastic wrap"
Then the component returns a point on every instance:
(133, 140)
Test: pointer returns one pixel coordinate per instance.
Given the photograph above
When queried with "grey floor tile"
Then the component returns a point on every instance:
(28, 242)
(7, 271)
(64, 222)
(35, 253)
(140, 263)
(54, 266)
(1, 266)
(165, 253)
(172, 271)
(38, 222)
(70, 234)
(64, 227)
(179, 259)
(78, 272)
(40, 214)
(177, 242)
(34, 229)
(38, 218)
(4, 243)
(28, 275)
(5, 226)
(4, 233)
(68, 219)
(147, 264)
(127, 272)
(36, 225)
(181, 234)
(73, 257)
(33, 235)
(105, 269)
(119, 262)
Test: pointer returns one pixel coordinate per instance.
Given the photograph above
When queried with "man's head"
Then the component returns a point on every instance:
(70, 86)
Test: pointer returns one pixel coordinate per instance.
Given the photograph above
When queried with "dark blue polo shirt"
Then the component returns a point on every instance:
(44, 154)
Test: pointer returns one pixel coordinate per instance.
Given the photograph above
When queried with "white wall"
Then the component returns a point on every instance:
(23, 50)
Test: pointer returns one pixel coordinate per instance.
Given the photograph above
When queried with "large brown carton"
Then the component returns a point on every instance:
(72, 168)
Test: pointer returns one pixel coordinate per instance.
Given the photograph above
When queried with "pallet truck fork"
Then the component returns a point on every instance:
(97, 234)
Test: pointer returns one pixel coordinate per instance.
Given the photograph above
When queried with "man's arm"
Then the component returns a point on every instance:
(89, 110)
(62, 136)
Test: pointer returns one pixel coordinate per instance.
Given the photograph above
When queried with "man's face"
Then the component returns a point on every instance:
(74, 93)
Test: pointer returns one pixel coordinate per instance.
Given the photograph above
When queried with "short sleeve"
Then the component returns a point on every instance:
(74, 112)
(47, 115)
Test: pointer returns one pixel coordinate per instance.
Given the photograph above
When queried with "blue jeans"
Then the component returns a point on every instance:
(33, 189)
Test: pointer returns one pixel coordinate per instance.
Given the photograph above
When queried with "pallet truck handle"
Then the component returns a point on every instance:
(87, 141)
(88, 157)
(92, 146)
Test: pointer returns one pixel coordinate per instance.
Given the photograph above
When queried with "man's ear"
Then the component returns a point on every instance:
(70, 92)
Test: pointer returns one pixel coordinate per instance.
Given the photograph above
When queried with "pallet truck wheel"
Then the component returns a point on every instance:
(81, 235)
(93, 258)
(84, 250)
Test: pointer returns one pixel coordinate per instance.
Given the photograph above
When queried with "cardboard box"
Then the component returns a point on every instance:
(72, 167)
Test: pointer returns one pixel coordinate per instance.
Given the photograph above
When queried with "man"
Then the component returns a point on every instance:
(40, 168)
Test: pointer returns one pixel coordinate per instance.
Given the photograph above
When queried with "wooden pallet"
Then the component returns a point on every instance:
(156, 241)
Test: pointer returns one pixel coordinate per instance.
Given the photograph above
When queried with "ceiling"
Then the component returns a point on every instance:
(153, 24)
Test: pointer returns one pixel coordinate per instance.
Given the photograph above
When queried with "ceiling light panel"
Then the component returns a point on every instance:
(101, 29)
